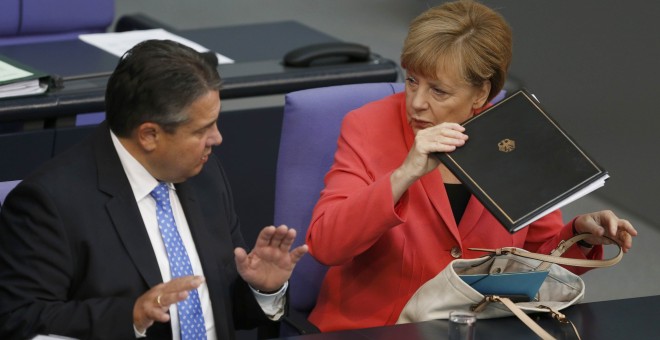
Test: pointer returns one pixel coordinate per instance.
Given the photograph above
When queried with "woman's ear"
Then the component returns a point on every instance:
(147, 135)
(482, 95)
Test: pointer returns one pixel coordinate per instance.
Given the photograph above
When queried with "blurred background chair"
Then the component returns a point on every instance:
(310, 128)
(31, 21)
(22, 153)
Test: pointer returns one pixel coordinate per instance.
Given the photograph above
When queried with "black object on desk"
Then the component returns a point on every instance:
(258, 51)
(319, 54)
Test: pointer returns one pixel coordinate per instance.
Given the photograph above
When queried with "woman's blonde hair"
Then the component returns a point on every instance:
(463, 35)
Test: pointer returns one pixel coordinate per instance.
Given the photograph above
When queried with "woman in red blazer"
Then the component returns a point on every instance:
(391, 217)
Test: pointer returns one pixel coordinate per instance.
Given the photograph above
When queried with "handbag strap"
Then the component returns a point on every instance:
(559, 316)
(555, 255)
(524, 317)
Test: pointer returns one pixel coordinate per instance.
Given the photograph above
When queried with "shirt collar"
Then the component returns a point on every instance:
(141, 181)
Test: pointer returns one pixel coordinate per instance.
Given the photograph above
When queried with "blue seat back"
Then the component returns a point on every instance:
(5, 188)
(32, 21)
(310, 129)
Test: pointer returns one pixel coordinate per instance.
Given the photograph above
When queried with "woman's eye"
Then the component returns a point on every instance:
(438, 91)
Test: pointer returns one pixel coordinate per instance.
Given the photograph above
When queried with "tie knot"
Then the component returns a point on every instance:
(161, 192)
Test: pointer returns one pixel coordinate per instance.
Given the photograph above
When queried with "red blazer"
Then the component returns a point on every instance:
(380, 253)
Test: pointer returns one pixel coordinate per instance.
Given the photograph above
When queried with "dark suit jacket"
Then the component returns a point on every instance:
(75, 255)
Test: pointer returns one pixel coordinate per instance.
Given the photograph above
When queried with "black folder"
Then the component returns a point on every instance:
(520, 163)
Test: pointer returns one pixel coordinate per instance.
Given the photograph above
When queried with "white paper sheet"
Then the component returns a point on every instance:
(118, 43)
(11, 72)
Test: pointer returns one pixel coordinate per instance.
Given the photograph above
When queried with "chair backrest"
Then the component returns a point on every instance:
(310, 129)
(22, 152)
(31, 21)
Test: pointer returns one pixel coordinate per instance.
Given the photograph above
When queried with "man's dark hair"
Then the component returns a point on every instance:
(154, 82)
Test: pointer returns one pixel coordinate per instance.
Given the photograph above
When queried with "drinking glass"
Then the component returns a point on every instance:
(461, 325)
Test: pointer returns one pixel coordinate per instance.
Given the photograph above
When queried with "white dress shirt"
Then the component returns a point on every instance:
(142, 183)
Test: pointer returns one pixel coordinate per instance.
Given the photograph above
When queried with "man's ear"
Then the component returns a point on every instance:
(482, 96)
(148, 135)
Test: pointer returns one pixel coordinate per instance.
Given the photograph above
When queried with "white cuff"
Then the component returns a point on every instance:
(272, 304)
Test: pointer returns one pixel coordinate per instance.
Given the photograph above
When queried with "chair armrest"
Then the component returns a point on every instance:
(138, 21)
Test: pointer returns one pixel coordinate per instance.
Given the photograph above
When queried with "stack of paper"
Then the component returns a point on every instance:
(119, 42)
(18, 80)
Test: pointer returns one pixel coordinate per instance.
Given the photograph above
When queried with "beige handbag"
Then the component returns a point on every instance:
(560, 288)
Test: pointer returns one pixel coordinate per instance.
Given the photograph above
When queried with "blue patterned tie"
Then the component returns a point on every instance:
(191, 319)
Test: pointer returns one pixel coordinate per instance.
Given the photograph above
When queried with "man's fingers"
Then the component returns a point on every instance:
(272, 236)
(153, 305)
(288, 239)
(265, 236)
(182, 284)
(175, 290)
(241, 258)
(158, 314)
(164, 300)
(298, 253)
(280, 234)
(160, 303)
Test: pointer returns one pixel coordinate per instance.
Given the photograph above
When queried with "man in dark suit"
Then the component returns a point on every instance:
(81, 250)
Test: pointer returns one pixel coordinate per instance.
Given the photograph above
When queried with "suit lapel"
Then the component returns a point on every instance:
(435, 190)
(201, 236)
(471, 215)
(206, 250)
(123, 209)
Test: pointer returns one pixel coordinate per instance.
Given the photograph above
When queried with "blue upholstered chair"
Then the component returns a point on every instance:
(310, 128)
(31, 21)
(22, 153)
(5, 188)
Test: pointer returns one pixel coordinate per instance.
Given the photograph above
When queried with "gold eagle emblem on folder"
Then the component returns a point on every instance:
(506, 145)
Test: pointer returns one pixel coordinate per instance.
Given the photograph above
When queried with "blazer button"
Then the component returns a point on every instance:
(456, 252)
